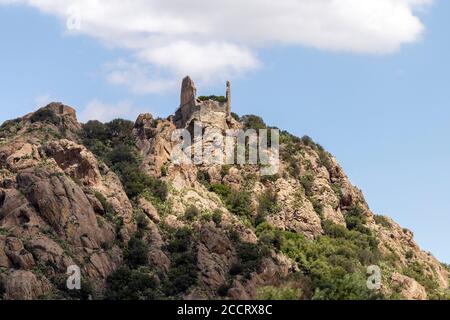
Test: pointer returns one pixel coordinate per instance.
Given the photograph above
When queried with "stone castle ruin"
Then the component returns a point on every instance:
(207, 111)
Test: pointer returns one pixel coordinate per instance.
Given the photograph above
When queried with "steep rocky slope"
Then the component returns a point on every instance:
(107, 198)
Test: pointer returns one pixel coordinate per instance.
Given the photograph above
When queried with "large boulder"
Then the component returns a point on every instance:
(62, 204)
(409, 288)
(25, 285)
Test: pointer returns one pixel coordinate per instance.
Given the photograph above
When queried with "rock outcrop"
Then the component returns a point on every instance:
(64, 202)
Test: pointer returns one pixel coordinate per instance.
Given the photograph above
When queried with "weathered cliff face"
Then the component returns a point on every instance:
(50, 217)
(215, 232)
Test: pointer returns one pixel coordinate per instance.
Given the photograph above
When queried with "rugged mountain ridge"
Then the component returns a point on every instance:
(107, 198)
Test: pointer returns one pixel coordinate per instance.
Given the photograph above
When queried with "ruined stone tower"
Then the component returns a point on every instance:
(228, 100)
(209, 111)
(188, 93)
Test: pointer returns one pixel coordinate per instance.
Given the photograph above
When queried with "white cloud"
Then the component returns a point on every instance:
(212, 40)
(137, 77)
(101, 111)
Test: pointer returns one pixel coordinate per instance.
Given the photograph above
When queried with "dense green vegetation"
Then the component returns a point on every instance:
(45, 115)
(113, 143)
(416, 271)
(129, 284)
(355, 219)
(191, 213)
(282, 293)
(292, 147)
(253, 122)
(60, 283)
(133, 280)
(249, 258)
(135, 254)
(267, 205)
(183, 270)
(221, 99)
(382, 221)
(335, 263)
(237, 202)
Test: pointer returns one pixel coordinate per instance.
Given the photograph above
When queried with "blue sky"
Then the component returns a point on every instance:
(381, 107)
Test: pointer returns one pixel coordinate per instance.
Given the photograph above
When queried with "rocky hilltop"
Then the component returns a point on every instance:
(107, 198)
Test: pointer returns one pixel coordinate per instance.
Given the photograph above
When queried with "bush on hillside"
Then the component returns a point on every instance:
(239, 203)
(307, 181)
(135, 255)
(382, 221)
(222, 190)
(128, 284)
(253, 122)
(220, 99)
(45, 115)
(191, 213)
(183, 271)
(271, 293)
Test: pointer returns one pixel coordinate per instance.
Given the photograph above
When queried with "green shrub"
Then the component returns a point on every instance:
(283, 293)
(225, 170)
(335, 262)
(95, 130)
(268, 236)
(203, 178)
(135, 255)
(337, 190)
(222, 190)
(249, 256)
(136, 183)
(335, 230)
(164, 170)
(239, 203)
(324, 159)
(121, 130)
(307, 141)
(60, 282)
(220, 99)
(191, 213)
(113, 143)
(217, 217)
(181, 241)
(235, 116)
(253, 122)
(355, 219)
(182, 275)
(110, 214)
(183, 271)
(141, 220)
(45, 115)
(271, 178)
(382, 221)
(122, 155)
(416, 271)
(307, 181)
(267, 205)
(127, 284)
(106, 206)
(349, 287)
(318, 207)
